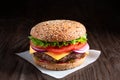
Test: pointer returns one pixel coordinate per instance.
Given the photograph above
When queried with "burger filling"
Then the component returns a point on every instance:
(59, 52)
(69, 58)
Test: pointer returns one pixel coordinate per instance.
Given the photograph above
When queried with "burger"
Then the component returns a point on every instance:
(59, 44)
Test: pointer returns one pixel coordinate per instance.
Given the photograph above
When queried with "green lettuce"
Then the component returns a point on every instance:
(58, 44)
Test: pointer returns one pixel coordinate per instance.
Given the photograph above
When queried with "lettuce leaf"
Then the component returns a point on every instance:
(38, 42)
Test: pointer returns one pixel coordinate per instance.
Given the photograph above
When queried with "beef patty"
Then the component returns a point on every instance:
(70, 57)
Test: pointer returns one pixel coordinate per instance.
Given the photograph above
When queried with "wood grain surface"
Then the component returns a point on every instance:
(102, 23)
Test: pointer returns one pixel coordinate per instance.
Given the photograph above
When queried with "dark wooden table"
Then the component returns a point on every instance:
(102, 23)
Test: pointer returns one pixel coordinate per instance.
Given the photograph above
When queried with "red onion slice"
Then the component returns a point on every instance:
(82, 50)
(38, 49)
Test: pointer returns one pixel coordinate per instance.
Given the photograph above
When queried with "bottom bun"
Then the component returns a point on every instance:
(60, 66)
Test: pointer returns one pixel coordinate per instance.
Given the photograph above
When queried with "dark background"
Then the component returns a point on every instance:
(85, 11)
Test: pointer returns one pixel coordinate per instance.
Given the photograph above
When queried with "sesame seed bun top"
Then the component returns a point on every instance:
(58, 30)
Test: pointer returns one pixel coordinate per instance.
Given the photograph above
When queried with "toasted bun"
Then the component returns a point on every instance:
(61, 66)
(58, 30)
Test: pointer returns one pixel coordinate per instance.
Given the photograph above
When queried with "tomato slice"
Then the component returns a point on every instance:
(65, 48)
(58, 50)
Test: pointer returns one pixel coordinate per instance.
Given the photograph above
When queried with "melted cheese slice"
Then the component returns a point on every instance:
(31, 51)
(57, 56)
(87, 52)
(53, 55)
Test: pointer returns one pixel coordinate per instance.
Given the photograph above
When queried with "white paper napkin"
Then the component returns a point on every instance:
(92, 57)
